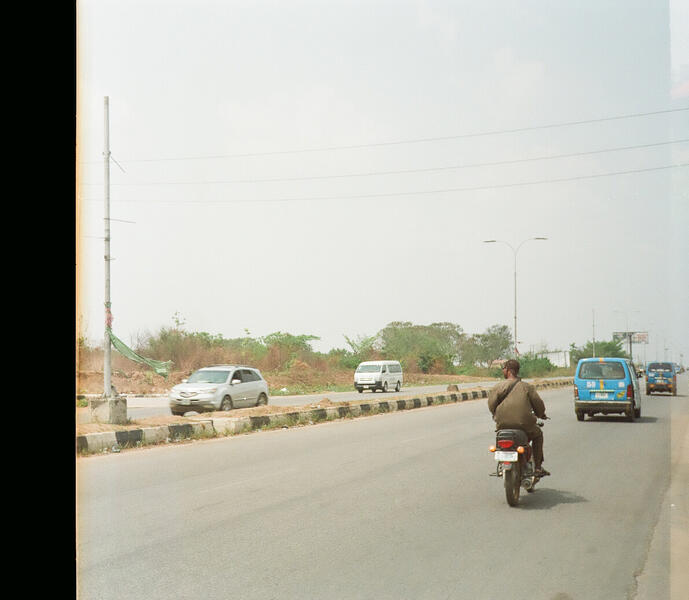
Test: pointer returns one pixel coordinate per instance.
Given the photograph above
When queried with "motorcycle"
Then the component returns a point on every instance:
(514, 455)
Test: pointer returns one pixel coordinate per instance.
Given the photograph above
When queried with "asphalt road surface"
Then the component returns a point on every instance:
(140, 407)
(392, 506)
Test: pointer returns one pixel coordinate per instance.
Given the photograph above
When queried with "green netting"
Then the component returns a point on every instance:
(160, 367)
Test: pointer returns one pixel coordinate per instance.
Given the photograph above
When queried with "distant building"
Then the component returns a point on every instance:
(559, 358)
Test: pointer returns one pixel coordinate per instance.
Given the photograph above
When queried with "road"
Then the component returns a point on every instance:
(140, 407)
(387, 507)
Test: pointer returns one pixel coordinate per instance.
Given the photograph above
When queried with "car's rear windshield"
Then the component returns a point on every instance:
(602, 370)
(208, 377)
(368, 369)
(660, 367)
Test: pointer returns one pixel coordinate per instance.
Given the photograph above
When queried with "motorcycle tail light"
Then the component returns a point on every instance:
(521, 449)
(505, 443)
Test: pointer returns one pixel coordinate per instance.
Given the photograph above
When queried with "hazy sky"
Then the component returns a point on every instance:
(326, 168)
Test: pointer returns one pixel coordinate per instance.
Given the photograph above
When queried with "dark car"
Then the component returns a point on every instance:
(661, 377)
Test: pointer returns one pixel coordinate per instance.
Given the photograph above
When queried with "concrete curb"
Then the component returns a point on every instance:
(203, 427)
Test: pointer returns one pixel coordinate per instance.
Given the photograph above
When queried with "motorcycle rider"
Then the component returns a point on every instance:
(515, 404)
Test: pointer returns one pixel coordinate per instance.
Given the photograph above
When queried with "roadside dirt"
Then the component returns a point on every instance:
(303, 375)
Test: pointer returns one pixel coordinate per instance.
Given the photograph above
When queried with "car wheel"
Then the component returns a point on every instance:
(385, 387)
(262, 400)
(226, 404)
(580, 416)
(397, 387)
(178, 413)
(360, 390)
(648, 392)
(637, 412)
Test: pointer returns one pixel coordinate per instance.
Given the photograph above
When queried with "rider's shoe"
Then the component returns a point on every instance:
(541, 472)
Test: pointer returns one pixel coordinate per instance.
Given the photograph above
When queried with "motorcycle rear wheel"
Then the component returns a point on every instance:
(513, 482)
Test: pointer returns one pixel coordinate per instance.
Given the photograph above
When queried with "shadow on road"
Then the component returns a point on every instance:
(548, 498)
(620, 419)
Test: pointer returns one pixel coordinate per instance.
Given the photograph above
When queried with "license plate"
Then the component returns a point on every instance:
(600, 396)
(187, 402)
(506, 456)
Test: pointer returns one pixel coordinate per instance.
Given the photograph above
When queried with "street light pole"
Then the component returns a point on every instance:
(514, 252)
(516, 349)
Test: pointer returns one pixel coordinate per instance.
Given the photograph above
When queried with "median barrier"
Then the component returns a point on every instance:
(96, 442)
(204, 427)
(155, 435)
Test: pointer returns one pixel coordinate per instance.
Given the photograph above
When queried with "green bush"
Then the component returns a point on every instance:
(474, 371)
(535, 366)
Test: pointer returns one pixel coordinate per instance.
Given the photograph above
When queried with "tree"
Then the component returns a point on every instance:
(433, 347)
(289, 342)
(612, 349)
(363, 346)
(471, 352)
(484, 348)
(496, 342)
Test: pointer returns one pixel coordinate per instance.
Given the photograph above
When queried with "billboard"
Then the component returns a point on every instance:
(637, 337)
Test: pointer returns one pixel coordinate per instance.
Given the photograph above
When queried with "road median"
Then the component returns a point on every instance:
(137, 435)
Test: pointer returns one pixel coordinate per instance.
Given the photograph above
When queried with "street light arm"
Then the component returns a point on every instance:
(499, 242)
(530, 240)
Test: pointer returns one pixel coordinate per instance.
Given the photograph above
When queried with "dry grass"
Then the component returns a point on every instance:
(306, 374)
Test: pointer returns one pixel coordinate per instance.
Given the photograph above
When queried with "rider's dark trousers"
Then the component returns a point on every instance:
(536, 438)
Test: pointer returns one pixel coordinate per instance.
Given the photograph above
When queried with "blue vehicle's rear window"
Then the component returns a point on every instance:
(602, 370)
(667, 367)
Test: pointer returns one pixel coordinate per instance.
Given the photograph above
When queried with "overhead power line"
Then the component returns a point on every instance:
(403, 171)
(423, 192)
(415, 140)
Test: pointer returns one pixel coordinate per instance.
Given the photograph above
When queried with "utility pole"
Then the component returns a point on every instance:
(111, 408)
(107, 367)
(593, 326)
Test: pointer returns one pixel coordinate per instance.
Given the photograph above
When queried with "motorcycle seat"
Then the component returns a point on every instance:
(517, 435)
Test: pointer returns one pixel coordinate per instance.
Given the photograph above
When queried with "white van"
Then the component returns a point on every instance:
(378, 375)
